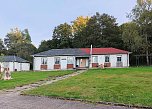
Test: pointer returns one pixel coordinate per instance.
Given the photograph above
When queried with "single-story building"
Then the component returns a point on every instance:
(80, 58)
(14, 63)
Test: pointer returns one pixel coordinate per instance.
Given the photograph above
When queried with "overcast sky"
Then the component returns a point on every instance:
(41, 16)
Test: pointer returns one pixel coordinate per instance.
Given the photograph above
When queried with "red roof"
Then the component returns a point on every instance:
(104, 51)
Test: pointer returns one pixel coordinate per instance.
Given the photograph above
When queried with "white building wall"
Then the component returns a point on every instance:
(74, 62)
(50, 63)
(19, 67)
(101, 60)
(15, 65)
(113, 59)
(12, 66)
(2, 66)
(24, 66)
(125, 60)
(63, 62)
(37, 63)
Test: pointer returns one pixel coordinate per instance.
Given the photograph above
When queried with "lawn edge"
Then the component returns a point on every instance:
(41, 80)
(93, 102)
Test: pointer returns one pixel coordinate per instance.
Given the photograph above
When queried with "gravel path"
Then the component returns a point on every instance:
(11, 99)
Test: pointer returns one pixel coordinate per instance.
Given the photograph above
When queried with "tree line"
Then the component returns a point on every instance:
(100, 30)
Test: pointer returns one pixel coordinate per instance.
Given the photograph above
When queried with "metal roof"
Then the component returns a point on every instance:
(96, 51)
(63, 52)
(12, 59)
(80, 52)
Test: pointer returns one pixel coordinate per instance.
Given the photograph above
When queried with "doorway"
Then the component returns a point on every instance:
(82, 63)
(63, 64)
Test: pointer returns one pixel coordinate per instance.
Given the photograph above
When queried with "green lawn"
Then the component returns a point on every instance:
(125, 85)
(23, 78)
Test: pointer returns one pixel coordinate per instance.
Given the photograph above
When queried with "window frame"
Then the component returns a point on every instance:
(120, 58)
(106, 58)
(44, 61)
(55, 60)
(71, 60)
(94, 59)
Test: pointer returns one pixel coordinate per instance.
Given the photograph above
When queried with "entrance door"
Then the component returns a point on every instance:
(63, 64)
(82, 62)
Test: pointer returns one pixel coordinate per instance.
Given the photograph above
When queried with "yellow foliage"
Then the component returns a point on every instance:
(80, 23)
(140, 2)
(17, 35)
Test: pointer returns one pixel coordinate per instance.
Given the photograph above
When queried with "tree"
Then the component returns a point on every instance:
(131, 38)
(19, 43)
(16, 36)
(12, 38)
(80, 23)
(102, 31)
(47, 45)
(1, 46)
(62, 36)
(78, 26)
(25, 50)
(26, 36)
(141, 2)
(142, 16)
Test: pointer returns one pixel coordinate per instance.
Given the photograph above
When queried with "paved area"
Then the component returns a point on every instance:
(15, 101)
(11, 99)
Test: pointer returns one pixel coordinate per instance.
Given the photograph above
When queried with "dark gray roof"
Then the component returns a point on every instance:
(63, 52)
(12, 59)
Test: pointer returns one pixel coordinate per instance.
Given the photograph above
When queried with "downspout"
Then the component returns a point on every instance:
(129, 59)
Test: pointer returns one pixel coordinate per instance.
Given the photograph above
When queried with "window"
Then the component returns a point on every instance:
(44, 61)
(95, 59)
(119, 59)
(70, 60)
(57, 60)
(107, 58)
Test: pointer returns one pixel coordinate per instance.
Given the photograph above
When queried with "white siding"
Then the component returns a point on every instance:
(1, 64)
(74, 62)
(64, 59)
(15, 65)
(12, 66)
(87, 62)
(50, 63)
(37, 63)
(113, 59)
(101, 60)
(24, 66)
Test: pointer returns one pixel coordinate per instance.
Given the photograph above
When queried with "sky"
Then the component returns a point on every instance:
(40, 17)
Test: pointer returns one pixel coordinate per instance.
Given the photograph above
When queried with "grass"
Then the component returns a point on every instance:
(24, 78)
(125, 85)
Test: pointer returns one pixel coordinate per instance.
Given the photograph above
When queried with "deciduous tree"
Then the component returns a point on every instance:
(131, 38)
(142, 16)
(19, 43)
(62, 36)
(102, 31)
